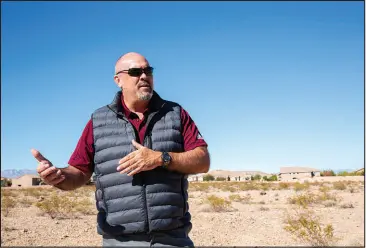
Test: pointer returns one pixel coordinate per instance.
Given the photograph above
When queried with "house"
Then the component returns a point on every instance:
(26, 180)
(295, 173)
(195, 178)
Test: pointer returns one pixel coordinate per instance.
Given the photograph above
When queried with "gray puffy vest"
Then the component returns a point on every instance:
(150, 201)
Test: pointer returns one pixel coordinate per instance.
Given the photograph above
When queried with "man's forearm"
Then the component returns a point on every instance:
(190, 162)
(74, 178)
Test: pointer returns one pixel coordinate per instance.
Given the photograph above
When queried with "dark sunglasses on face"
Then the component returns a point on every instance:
(136, 72)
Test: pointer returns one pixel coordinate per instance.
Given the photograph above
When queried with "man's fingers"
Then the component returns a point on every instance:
(57, 180)
(42, 166)
(38, 155)
(47, 172)
(53, 176)
(131, 166)
(135, 171)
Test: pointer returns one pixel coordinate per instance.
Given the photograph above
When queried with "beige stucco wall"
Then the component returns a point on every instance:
(24, 181)
(298, 175)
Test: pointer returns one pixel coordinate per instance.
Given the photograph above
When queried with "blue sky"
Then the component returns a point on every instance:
(269, 84)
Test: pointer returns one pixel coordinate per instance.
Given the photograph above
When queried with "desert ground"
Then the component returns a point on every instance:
(318, 212)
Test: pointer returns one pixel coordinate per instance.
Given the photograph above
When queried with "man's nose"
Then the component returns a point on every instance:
(143, 76)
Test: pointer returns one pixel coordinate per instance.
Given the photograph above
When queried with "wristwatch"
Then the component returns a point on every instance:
(166, 159)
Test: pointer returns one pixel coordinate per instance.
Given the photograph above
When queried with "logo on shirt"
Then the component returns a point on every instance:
(199, 136)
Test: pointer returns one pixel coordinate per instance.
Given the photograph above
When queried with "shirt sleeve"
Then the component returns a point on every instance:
(192, 138)
(83, 155)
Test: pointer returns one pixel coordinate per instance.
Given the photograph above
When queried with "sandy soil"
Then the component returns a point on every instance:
(258, 222)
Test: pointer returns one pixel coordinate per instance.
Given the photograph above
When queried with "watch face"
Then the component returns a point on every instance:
(166, 157)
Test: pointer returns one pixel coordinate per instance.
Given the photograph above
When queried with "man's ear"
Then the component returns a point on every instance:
(118, 81)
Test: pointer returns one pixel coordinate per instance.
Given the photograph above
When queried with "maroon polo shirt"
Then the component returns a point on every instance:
(83, 155)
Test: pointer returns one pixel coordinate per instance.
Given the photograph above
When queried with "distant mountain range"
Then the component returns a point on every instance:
(11, 173)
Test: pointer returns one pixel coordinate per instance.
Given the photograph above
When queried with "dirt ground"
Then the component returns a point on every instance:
(258, 221)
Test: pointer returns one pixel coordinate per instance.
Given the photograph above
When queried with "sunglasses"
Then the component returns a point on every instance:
(136, 72)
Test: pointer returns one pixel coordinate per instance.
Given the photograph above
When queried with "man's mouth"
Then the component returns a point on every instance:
(145, 86)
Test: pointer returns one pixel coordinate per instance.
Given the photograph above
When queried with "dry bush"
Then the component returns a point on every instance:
(303, 200)
(263, 209)
(347, 205)
(327, 197)
(218, 204)
(235, 197)
(301, 186)
(339, 186)
(61, 206)
(305, 226)
(35, 192)
(329, 203)
(283, 186)
(239, 198)
(199, 186)
(262, 202)
(226, 186)
(265, 186)
(249, 186)
(7, 203)
(324, 189)
(85, 191)
(25, 201)
(353, 190)
(8, 192)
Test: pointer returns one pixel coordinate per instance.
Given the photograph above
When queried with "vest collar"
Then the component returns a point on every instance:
(156, 102)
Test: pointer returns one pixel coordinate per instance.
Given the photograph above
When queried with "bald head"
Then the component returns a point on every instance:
(129, 60)
(136, 87)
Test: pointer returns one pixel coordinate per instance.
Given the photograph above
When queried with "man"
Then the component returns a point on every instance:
(141, 149)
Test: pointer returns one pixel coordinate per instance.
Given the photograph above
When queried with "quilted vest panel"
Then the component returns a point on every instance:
(150, 201)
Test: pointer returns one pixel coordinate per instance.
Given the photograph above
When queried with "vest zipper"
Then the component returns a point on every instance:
(145, 205)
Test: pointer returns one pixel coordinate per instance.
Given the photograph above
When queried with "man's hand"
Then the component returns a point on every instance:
(49, 174)
(142, 159)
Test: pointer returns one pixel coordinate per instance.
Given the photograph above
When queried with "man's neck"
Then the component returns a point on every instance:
(135, 105)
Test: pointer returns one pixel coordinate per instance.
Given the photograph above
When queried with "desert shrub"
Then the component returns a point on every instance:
(8, 192)
(327, 173)
(303, 200)
(352, 190)
(347, 205)
(324, 189)
(283, 185)
(256, 177)
(326, 197)
(339, 186)
(239, 198)
(25, 202)
(220, 179)
(263, 209)
(85, 206)
(301, 186)
(57, 206)
(208, 177)
(7, 203)
(305, 226)
(227, 186)
(270, 179)
(262, 202)
(249, 186)
(235, 197)
(218, 204)
(199, 187)
(329, 203)
(265, 186)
